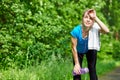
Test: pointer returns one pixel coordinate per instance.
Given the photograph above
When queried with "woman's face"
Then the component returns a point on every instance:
(87, 20)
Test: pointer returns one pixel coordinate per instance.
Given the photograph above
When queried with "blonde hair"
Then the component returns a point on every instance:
(87, 10)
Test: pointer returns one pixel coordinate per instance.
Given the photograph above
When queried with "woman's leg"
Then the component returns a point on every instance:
(91, 59)
(80, 57)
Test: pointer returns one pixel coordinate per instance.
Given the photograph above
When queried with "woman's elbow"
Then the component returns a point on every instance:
(107, 31)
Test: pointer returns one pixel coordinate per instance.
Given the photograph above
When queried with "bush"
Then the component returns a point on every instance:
(116, 50)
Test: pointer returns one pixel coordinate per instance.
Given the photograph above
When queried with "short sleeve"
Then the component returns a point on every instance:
(74, 33)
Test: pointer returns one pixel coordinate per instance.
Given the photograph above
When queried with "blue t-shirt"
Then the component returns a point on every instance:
(82, 44)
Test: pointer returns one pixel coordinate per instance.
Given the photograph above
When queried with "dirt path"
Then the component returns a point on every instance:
(113, 75)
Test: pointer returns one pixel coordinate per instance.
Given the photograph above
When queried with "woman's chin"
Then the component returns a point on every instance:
(88, 26)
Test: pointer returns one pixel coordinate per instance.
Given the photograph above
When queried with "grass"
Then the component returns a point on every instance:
(52, 69)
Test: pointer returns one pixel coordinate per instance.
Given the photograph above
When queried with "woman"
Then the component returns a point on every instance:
(79, 42)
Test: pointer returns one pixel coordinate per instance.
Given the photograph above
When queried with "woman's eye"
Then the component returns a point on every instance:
(86, 17)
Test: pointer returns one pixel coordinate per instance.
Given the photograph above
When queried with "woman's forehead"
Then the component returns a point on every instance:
(86, 13)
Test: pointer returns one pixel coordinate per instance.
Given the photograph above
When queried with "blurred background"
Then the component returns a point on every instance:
(35, 37)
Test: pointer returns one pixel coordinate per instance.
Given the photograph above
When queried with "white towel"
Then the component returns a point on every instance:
(94, 38)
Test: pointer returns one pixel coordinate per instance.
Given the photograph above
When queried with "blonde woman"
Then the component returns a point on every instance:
(80, 36)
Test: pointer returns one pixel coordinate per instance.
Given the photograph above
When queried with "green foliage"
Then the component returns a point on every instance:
(109, 47)
(104, 66)
(31, 31)
(111, 12)
(116, 50)
(55, 68)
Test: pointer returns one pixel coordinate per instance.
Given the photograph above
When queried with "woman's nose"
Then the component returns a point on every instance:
(88, 19)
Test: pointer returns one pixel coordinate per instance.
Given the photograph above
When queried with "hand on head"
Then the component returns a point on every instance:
(89, 17)
(92, 13)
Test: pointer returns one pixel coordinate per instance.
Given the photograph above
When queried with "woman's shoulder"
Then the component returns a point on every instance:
(76, 31)
(77, 27)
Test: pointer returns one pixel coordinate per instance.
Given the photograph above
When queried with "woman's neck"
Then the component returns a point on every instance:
(85, 31)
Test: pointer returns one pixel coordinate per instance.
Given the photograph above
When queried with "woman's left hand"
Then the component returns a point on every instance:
(92, 13)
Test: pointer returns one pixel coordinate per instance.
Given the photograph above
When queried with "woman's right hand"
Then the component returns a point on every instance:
(77, 69)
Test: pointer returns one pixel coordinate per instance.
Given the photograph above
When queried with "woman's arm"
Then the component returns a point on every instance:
(92, 14)
(104, 28)
(75, 55)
